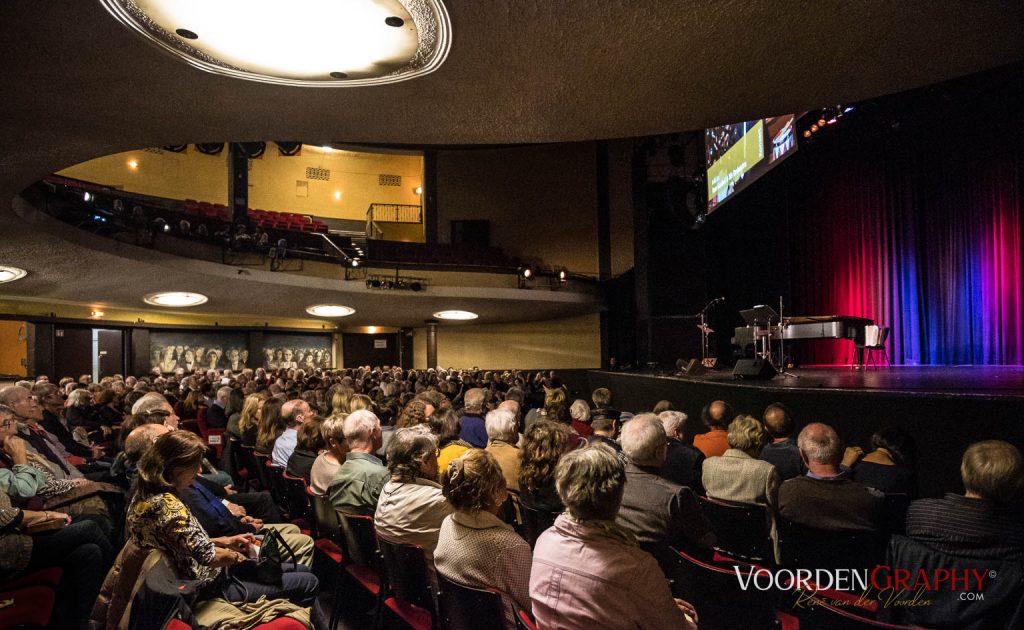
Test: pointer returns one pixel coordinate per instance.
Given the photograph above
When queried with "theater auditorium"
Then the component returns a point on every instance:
(451, 316)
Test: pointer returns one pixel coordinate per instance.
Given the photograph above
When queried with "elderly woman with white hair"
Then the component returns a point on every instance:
(587, 570)
(579, 411)
(684, 462)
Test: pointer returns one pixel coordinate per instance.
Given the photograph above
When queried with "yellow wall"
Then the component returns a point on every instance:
(272, 178)
(13, 348)
(556, 344)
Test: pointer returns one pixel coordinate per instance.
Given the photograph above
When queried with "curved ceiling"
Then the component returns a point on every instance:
(76, 84)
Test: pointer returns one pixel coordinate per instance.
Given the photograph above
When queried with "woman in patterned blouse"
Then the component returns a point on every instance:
(158, 519)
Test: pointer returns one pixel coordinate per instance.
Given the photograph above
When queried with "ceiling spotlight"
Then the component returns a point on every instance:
(807, 133)
(371, 329)
(176, 299)
(814, 127)
(337, 195)
(185, 33)
(133, 164)
(457, 315)
(821, 122)
(96, 314)
(10, 274)
(86, 196)
(563, 275)
(418, 190)
(527, 272)
(330, 310)
(355, 262)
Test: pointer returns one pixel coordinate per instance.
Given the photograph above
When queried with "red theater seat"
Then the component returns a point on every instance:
(29, 607)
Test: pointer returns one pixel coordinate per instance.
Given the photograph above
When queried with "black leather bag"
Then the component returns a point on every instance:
(267, 569)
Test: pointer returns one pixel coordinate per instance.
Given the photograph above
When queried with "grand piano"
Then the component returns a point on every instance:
(805, 327)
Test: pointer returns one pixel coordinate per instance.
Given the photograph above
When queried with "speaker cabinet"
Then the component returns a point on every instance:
(754, 369)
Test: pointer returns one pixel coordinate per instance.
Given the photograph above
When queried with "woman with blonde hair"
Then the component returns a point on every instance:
(475, 548)
(249, 419)
(738, 475)
(360, 401)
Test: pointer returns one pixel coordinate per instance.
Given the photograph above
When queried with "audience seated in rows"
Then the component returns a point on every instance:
(825, 498)
(737, 475)
(544, 443)
(356, 487)
(294, 413)
(330, 459)
(502, 437)
(659, 513)
(474, 547)
(684, 463)
(445, 423)
(782, 451)
(588, 571)
(308, 444)
(472, 425)
(411, 505)
(716, 417)
(889, 467)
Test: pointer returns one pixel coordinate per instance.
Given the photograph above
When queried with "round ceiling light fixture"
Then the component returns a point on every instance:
(175, 299)
(330, 310)
(10, 274)
(456, 315)
(364, 42)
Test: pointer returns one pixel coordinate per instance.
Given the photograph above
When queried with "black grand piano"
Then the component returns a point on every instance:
(804, 327)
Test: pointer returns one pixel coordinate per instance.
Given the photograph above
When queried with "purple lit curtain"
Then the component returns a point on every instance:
(922, 234)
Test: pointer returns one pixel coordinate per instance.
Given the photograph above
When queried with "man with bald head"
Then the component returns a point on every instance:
(294, 412)
(782, 452)
(717, 417)
(825, 498)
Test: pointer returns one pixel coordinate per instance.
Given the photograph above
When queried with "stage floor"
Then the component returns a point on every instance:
(957, 381)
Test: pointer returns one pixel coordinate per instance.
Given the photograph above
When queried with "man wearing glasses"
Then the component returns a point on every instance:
(29, 413)
(52, 402)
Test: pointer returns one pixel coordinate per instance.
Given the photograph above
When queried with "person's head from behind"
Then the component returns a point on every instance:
(820, 447)
(543, 445)
(663, 405)
(362, 431)
(676, 425)
(717, 415)
(474, 482)
(778, 421)
(474, 399)
(333, 431)
(898, 443)
(590, 482)
(602, 397)
(141, 439)
(643, 440)
(500, 424)
(412, 453)
(310, 438)
(171, 463)
(747, 434)
(603, 425)
(993, 470)
(579, 411)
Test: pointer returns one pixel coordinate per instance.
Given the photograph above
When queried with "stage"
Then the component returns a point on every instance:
(945, 408)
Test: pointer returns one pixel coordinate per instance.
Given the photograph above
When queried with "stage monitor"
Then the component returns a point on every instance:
(738, 154)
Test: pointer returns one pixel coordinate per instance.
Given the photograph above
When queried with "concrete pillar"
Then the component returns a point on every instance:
(431, 343)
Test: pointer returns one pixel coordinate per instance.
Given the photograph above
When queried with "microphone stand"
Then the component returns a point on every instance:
(704, 331)
(782, 343)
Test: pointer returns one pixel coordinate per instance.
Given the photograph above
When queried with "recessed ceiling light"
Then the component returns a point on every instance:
(10, 274)
(455, 315)
(364, 42)
(330, 310)
(175, 298)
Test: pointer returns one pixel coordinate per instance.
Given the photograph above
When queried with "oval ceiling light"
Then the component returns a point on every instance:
(461, 315)
(10, 274)
(330, 310)
(310, 43)
(175, 299)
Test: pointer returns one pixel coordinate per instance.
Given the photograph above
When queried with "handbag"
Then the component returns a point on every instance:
(266, 568)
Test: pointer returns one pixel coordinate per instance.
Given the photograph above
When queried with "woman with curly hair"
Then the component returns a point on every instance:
(417, 411)
(475, 547)
(544, 444)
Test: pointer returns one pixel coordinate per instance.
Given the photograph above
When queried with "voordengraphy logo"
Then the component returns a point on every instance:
(891, 586)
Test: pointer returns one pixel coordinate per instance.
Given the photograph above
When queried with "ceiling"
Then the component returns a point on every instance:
(76, 85)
